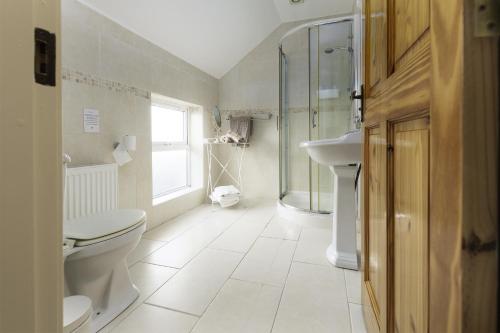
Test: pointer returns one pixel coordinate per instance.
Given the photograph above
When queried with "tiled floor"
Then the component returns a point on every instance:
(239, 270)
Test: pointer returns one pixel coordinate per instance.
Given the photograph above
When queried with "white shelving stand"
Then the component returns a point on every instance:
(236, 156)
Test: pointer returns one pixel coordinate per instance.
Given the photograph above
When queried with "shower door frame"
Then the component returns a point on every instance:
(282, 85)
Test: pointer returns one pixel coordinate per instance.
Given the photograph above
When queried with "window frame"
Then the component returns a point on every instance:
(184, 145)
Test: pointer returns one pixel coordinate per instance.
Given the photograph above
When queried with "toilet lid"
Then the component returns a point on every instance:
(76, 310)
(103, 224)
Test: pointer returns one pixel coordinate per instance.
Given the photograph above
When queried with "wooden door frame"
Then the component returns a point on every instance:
(31, 277)
(464, 144)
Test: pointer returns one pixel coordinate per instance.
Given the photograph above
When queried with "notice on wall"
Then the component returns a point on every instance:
(90, 121)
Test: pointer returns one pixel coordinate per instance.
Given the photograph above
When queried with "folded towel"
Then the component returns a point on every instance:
(235, 137)
(228, 202)
(225, 139)
(223, 190)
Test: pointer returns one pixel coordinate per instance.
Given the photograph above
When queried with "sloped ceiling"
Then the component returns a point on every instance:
(211, 35)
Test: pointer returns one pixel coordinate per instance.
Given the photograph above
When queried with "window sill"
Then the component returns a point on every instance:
(175, 195)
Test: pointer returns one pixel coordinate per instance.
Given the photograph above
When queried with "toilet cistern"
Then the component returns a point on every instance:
(342, 155)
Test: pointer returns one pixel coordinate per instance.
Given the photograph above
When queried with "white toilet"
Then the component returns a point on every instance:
(77, 314)
(95, 260)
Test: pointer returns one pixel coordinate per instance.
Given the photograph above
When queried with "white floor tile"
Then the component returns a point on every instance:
(357, 320)
(259, 215)
(239, 237)
(282, 229)
(181, 250)
(152, 319)
(241, 307)
(143, 249)
(267, 262)
(314, 300)
(175, 227)
(193, 288)
(353, 282)
(312, 246)
(147, 278)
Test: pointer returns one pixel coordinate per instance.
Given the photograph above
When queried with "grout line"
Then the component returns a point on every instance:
(347, 298)
(172, 309)
(258, 282)
(150, 263)
(284, 287)
(149, 253)
(314, 264)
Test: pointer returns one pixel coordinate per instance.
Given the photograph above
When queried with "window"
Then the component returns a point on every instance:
(171, 151)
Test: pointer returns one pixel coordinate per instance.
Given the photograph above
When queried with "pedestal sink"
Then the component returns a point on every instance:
(342, 155)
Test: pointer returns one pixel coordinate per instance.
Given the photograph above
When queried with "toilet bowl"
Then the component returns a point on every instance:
(96, 264)
(77, 313)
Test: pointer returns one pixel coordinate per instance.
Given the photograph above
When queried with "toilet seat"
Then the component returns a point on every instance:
(77, 311)
(101, 227)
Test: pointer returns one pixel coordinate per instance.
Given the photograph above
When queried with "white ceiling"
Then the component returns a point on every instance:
(211, 35)
(311, 9)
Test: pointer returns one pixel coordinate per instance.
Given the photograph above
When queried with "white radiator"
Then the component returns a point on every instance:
(90, 190)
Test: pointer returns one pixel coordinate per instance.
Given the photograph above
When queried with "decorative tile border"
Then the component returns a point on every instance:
(247, 112)
(94, 81)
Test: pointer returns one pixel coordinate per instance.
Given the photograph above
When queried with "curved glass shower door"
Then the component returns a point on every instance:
(316, 81)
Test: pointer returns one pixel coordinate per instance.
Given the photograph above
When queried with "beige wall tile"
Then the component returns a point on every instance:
(99, 49)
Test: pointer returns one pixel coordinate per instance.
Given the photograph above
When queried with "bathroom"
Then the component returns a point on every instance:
(109, 70)
(241, 166)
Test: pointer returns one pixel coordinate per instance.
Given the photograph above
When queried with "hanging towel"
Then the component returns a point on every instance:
(241, 126)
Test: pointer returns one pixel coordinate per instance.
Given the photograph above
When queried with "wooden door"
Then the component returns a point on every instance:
(397, 85)
(427, 99)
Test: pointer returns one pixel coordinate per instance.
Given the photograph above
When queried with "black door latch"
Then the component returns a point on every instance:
(361, 98)
(45, 57)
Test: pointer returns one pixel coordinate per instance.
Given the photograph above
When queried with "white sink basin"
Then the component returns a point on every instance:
(343, 150)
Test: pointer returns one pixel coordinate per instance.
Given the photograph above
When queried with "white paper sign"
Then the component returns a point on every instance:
(90, 121)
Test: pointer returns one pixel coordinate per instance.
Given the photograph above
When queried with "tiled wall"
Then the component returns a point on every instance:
(251, 86)
(108, 68)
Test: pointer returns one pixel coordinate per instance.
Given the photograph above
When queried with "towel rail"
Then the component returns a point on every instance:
(264, 116)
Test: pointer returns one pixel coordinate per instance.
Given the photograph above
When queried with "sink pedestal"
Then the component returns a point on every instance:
(342, 251)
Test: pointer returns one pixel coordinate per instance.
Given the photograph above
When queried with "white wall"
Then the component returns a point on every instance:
(108, 68)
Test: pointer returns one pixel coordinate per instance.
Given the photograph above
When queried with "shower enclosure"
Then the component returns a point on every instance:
(317, 77)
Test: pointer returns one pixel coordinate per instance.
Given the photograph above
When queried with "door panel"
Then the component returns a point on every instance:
(411, 178)
(376, 226)
(377, 51)
(411, 21)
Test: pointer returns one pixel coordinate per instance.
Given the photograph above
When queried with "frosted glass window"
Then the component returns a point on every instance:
(171, 152)
(169, 171)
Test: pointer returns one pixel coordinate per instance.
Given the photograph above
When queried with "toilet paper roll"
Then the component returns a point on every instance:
(121, 156)
(130, 142)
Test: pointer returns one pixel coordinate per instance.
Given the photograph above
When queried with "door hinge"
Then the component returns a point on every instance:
(486, 18)
(390, 148)
(45, 57)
